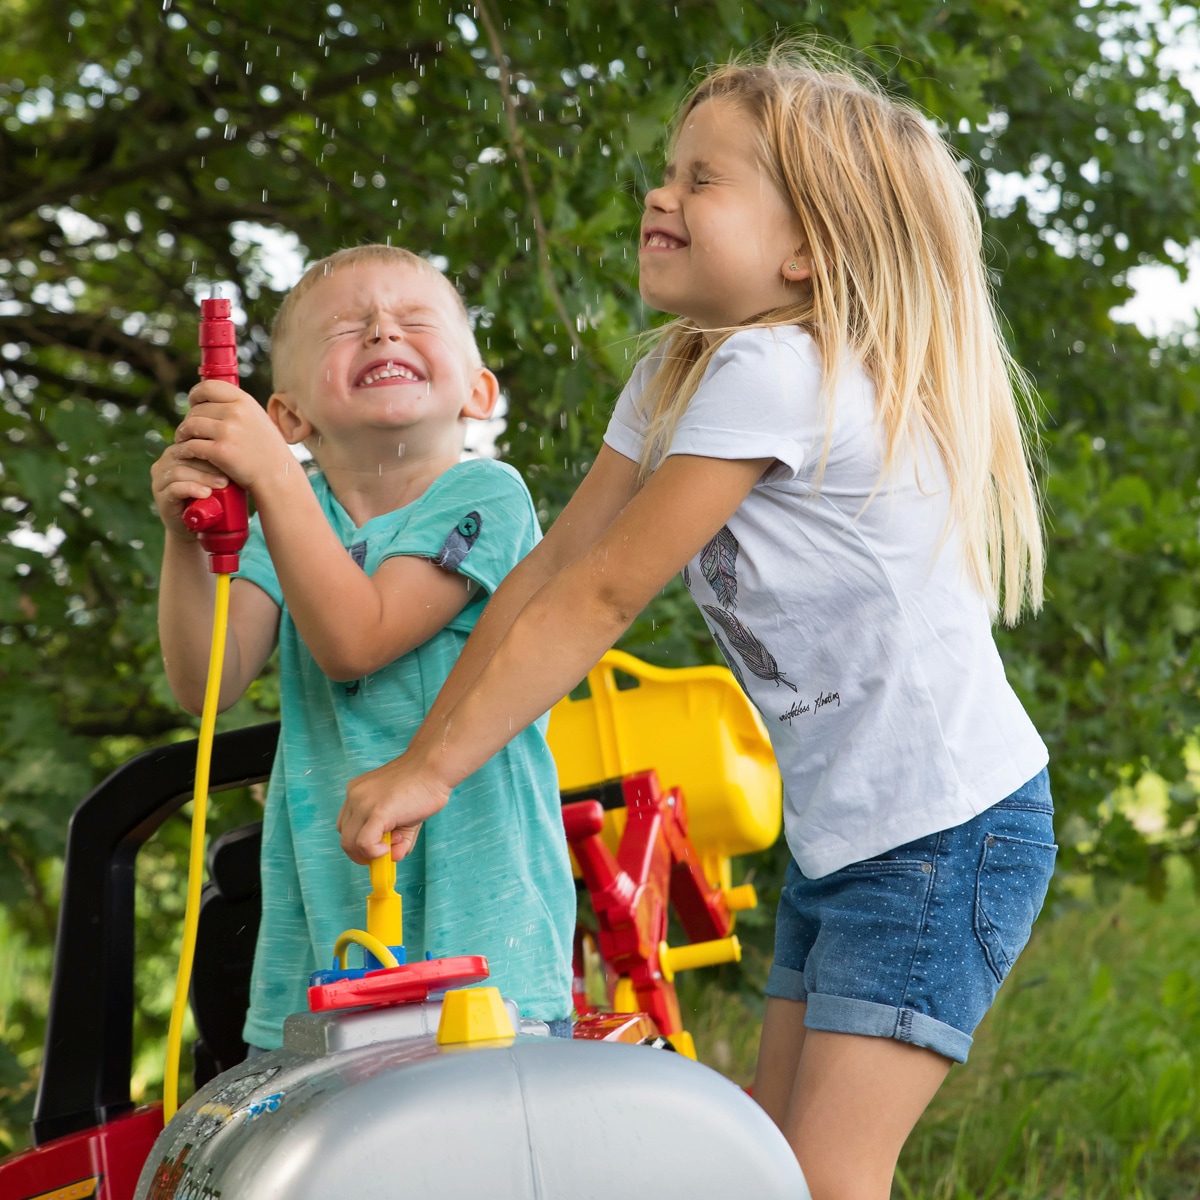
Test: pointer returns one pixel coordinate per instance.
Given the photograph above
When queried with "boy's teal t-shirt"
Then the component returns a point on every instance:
(490, 873)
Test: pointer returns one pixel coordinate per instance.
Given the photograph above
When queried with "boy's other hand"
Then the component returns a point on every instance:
(396, 797)
(177, 479)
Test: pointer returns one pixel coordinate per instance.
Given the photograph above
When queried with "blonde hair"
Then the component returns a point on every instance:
(351, 256)
(898, 282)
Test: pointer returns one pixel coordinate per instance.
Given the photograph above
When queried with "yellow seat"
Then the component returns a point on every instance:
(697, 729)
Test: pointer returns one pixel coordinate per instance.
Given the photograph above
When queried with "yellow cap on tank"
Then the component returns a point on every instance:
(473, 1015)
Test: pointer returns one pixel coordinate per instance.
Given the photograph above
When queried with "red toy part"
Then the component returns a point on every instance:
(406, 984)
(218, 342)
(655, 865)
(221, 520)
(100, 1164)
(614, 1027)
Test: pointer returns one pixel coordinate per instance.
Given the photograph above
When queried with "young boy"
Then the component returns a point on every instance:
(370, 575)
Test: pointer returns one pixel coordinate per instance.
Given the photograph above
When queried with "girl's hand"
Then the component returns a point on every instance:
(177, 479)
(398, 796)
(229, 429)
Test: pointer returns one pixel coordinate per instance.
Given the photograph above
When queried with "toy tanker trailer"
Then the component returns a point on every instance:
(462, 1100)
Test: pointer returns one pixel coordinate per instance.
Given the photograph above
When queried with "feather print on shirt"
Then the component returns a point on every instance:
(718, 562)
(758, 659)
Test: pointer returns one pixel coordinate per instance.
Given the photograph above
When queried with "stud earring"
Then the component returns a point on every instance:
(795, 266)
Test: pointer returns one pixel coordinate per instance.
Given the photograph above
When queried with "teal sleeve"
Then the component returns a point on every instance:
(255, 565)
(476, 519)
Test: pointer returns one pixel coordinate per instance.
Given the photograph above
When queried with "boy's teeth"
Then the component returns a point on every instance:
(391, 371)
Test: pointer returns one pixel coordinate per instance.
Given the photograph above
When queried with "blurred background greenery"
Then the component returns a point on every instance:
(150, 152)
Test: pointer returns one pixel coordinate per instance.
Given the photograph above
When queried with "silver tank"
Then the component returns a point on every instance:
(365, 1104)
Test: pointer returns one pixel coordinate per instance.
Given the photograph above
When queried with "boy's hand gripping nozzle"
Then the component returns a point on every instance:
(221, 519)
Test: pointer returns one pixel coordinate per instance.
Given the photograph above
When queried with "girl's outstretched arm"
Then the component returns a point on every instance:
(606, 489)
(571, 603)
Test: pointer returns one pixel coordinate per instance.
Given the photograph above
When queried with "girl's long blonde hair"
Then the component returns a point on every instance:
(898, 282)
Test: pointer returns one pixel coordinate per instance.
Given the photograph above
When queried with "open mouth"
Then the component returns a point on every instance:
(388, 371)
(659, 239)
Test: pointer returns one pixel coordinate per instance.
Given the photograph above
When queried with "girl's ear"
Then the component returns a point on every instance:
(288, 420)
(797, 268)
(485, 391)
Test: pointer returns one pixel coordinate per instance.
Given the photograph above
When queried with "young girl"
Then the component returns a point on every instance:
(828, 445)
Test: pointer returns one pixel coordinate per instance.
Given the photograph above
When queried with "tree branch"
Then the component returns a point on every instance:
(515, 140)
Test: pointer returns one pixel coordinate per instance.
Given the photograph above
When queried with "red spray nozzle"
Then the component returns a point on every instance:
(218, 342)
(221, 520)
(222, 523)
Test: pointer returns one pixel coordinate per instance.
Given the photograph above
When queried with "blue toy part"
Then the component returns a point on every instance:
(370, 965)
(374, 964)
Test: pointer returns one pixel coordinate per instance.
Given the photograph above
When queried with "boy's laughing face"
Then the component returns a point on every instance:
(381, 347)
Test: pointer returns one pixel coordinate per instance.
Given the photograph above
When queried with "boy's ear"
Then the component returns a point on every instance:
(288, 420)
(485, 391)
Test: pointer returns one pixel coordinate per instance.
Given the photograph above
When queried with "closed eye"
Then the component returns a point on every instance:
(343, 330)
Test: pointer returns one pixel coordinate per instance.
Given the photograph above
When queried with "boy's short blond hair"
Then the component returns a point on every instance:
(349, 257)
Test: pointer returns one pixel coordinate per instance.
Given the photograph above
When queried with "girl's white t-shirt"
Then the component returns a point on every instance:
(845, 610)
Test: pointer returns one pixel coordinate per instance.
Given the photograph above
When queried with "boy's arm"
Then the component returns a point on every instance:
(351, 622)
(187, 597)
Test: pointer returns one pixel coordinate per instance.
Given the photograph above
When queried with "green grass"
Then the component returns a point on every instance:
(1084, 1080)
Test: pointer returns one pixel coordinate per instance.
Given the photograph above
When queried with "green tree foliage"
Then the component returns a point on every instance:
(147, 152)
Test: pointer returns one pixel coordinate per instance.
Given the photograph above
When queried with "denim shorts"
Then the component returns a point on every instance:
(914, 944)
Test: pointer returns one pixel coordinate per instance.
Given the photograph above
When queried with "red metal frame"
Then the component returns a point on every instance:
(656, 867)
(100, 1164)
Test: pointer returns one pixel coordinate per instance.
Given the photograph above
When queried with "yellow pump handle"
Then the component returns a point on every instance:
(384, 907)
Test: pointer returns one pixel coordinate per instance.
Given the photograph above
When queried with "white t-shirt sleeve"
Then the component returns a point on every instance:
(759, 398)
(627, 426)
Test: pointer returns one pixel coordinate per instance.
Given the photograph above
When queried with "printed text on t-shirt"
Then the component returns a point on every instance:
(802, 706)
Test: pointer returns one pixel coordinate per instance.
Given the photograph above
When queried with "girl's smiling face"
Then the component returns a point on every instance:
(718, 236)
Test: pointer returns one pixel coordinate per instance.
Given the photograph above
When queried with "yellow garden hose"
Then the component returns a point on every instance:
(191, 917)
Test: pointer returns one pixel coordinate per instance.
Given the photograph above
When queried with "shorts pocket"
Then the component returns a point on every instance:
(1009, 890)
(889, 866)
